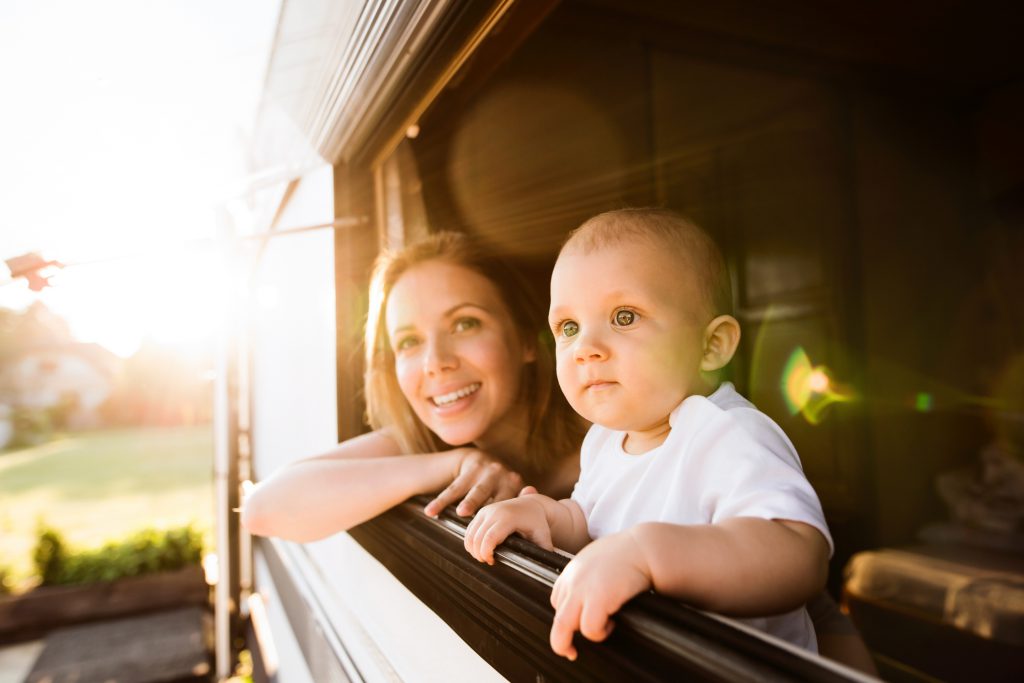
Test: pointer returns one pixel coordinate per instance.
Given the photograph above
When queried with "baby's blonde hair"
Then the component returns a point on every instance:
(554, 431)
(663, 229)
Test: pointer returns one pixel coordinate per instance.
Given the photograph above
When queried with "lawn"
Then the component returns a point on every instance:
(102, 485)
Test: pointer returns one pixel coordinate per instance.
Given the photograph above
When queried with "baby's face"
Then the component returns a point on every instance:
(629, 323)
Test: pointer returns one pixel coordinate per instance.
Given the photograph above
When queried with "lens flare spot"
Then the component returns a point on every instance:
(795, 388)
(923, 402)
(809, 390)
(818, 381)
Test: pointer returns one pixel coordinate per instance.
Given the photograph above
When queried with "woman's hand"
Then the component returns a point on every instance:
(478, 479)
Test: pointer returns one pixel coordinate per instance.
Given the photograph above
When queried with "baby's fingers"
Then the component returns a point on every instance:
(594, 622)
(565, 624)
(490, 539)
(480, 537)
(472, 539)
(539, 536)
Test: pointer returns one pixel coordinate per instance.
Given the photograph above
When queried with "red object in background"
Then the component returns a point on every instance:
(29, 266)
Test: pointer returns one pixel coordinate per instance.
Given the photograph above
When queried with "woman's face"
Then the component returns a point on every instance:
(458, 357)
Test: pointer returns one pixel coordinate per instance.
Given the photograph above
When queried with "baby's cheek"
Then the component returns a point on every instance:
(563, 370)
(572, 390)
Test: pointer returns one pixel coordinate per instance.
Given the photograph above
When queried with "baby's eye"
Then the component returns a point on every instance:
(568, 328)
(624, 317)
(463, 324)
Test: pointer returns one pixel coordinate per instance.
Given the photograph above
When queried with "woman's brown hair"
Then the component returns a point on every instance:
(555, 430)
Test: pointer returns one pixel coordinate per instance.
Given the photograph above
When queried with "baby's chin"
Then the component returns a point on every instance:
(619, 419)
(609, 419)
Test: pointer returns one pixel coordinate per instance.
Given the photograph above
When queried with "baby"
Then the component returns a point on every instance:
(685, 487)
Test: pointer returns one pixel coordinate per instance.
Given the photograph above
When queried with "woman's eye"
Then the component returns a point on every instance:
(463, 324)
(569, 328)
(406, 343)
(624, 317)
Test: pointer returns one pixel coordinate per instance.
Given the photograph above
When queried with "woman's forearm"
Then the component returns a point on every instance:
(311, 499)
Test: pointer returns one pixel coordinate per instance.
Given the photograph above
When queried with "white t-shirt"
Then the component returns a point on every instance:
(723, 458)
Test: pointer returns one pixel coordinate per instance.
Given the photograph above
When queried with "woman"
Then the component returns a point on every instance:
(456, 355)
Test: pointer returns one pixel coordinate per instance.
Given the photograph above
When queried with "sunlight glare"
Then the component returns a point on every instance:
(809, 390)
(122, 139)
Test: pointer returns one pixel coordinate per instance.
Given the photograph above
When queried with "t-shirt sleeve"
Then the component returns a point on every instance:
(747, 470)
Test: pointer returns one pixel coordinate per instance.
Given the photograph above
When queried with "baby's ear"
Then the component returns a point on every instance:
(721, 337)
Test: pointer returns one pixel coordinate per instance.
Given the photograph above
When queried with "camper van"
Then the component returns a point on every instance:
(862, 166)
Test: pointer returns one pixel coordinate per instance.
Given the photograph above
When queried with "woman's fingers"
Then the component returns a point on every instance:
(480, 480)
(448, 496)
(476, 498)
(527, 490)
(507, 484)
(506, 489)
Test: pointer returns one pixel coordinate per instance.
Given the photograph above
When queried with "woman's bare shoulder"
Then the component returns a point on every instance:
(370, 445)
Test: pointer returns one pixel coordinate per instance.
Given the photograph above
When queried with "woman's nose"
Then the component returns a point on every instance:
(589, 348)
(439, 357)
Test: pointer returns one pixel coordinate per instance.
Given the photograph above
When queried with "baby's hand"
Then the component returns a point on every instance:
(496, 522)
(594, 586)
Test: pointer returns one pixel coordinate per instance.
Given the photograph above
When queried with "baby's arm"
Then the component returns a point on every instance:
(743, 566)
(540, 519)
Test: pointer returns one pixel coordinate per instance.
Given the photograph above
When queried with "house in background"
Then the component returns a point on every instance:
(75, 378)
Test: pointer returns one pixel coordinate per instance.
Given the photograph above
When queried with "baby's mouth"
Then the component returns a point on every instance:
(452, 397)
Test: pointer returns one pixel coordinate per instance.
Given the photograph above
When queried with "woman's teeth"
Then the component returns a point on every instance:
(445, 399)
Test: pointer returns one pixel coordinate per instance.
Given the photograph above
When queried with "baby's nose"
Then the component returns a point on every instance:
(590, 349)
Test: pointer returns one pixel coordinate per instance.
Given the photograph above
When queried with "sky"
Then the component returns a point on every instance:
(122, 130)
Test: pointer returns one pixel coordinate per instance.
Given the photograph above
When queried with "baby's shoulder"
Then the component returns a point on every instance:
(738, 423)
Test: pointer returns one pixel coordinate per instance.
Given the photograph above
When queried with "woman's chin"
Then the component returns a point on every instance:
(456, 437)
(454, 430)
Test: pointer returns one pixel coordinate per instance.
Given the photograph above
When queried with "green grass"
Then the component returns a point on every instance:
(103, 485)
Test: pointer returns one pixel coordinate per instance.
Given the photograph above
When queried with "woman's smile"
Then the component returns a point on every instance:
(458, 396)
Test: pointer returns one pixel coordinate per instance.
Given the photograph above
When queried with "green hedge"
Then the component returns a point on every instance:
(144, 552)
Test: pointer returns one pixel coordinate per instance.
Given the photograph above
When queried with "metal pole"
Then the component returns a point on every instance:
(225, 467)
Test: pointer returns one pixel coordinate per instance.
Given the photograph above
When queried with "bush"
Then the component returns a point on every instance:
(32, 426)
(49, 556)
(144, 552)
